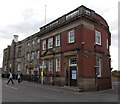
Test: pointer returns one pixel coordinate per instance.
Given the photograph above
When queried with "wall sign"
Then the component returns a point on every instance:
(74, 74)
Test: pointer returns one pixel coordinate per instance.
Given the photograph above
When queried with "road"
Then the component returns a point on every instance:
(35, 92)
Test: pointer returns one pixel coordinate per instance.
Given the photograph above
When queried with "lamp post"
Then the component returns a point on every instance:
(30, 71)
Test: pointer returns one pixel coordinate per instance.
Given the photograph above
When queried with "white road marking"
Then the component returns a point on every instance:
(11, 87)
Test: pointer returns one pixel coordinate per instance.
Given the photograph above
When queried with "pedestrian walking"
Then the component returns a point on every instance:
(19, 77)
(10, 78)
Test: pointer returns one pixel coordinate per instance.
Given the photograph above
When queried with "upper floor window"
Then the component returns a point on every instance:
(38, 54)
(50, 43)
(19, 52)
(28, 44)
(28, 56)
(33, 55)
(97, 37)
(5, 67)
(19, 67)
(57, 40)
(107, 45)
(71, 37)
(10, 65)
(57, 64)
(38, 40)
(44, 45)
(33, 42)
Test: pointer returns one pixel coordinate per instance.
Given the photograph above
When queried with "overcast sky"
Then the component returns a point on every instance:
(25, 17)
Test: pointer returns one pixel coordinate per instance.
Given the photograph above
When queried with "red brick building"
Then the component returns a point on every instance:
(75, 50)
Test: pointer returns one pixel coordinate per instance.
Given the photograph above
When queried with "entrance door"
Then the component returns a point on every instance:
(73, 76)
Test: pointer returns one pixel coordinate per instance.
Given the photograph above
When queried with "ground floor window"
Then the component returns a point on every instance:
(57, 64)
(50, 65)
(98, 64)
(5, 68)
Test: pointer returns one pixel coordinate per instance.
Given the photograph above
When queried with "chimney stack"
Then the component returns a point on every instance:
(16, 38)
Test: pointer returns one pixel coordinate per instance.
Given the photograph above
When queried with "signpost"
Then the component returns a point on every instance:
(42, 67)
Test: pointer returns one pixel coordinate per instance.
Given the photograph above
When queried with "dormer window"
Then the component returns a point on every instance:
(87, 12)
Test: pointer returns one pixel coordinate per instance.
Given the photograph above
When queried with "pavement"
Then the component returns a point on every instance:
(72, 89)
(35, 92)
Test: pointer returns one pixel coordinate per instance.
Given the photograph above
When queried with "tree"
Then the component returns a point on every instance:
(116, 73)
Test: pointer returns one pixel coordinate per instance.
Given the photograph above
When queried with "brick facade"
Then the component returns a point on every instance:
(83, 49)
(74, 49)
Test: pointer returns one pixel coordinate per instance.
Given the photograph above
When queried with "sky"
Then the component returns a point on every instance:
(25, 17)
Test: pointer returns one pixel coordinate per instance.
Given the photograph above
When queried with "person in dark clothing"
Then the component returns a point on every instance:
(10, 78)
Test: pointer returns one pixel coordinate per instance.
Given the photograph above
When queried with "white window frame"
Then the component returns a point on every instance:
(70, 64)
(5, 68)
(97, 37)
(10, 65)
(58, 64)
(38, 54)
(87, 12)
(33, 42)
(98, 64)
(27, 72)
(38, 40)
(57, 40)
(28, 56)
(50, 65)
(44, 45)
(107, 44)
(28, 44)
(71, 36)
(50, 43)
(33, 55)
(19, 67)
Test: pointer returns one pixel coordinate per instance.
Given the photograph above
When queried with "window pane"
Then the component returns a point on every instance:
(71, 36)
(73, 61)
(50, 43)
(44, 45)
(98, 37)
(58, 40)
(58, 64)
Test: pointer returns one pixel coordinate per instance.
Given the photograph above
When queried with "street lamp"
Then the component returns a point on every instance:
(30, 70)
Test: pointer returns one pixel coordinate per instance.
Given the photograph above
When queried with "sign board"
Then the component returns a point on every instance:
(42, 66)
(74, 74)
